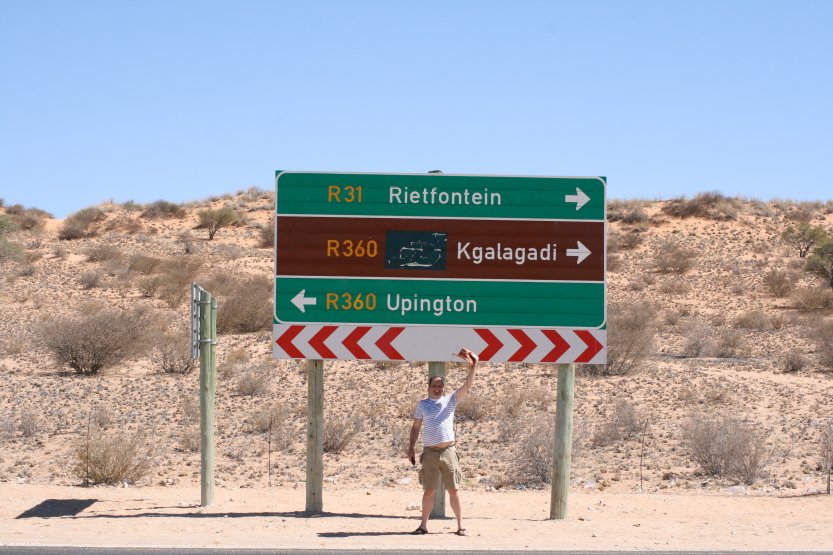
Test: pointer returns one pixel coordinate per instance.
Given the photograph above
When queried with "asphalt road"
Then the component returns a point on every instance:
(51, 550)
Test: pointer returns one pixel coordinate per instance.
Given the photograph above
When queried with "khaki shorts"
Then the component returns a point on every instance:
(437, 462)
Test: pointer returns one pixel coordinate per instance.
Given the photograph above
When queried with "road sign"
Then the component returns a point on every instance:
(413, 267)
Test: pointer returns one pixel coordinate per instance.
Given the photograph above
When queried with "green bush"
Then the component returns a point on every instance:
(821, 262)
(8, 250)
(213, 220)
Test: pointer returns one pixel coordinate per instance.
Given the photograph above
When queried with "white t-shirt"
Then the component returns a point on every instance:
(437, 417)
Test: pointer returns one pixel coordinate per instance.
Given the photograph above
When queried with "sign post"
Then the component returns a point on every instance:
(411, 267)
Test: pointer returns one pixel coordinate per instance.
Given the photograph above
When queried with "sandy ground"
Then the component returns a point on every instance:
(381, 519)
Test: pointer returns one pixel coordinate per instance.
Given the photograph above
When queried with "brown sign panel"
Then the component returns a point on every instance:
(440, 248)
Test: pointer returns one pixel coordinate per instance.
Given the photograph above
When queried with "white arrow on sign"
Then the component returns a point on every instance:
(581, 252)
(579, 198)
(301, 301)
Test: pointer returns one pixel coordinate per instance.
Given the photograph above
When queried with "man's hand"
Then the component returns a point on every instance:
(411, 455)
(468, 356)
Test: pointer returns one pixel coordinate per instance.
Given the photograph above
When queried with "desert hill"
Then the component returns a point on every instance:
(721, 354)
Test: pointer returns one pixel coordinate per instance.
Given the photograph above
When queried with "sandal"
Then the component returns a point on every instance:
(461, 532)
(419, 531)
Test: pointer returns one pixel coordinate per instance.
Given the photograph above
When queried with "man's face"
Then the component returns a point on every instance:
(435, 390)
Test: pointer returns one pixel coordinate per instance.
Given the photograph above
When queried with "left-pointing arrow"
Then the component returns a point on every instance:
(301, 301)
(581, 252)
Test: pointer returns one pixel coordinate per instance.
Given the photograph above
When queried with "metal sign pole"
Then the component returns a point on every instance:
(204, 328)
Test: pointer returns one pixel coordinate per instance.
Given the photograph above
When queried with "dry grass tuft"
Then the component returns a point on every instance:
(339, 431)
(113, 458)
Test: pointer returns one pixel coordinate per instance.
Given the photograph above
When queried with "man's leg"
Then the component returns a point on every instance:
(454, 499)
(427, 506)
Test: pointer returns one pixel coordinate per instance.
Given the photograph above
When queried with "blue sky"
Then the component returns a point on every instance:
(182, 100)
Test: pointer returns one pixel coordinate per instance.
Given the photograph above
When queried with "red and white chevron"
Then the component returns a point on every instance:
(424, 343)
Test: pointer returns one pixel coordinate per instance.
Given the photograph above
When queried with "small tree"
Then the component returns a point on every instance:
(821, 262)
(803, 237)
(213, 220)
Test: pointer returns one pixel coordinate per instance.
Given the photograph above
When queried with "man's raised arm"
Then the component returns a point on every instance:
(472, 359)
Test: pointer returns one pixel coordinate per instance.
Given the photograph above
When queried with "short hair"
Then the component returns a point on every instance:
(432, 378)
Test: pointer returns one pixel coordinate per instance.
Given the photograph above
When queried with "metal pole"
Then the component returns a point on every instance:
(315, 436)
(438, 369)
(207, 318)
(562, 441)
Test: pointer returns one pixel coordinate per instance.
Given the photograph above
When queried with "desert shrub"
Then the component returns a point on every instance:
(213, 220)
(472, 408)
(266, 237)
(711, 205)
(149, 285)
(727, 447)
(8, 426)
(7, 225)
(102, 253)
(339, 431)
(511, 401)
(729, 344)
(253, 383)
(9, 250)
(674, 287)
(91, 342)
(245, 305)
(629, 212)
(779, 283)
(113, 458)
(753, 320)
(623, 241)
(532, 454)
(90, 279)
(672, 258)
(173, 355)
(630, 339)
(701, 340)
(177, 275)
(810, 299)
(187, 241)
(80, 224)
(142, 264)
(29, 423)
(399, 438)
(163, 209)
(624, 423)
(793, 362)
(279, 419)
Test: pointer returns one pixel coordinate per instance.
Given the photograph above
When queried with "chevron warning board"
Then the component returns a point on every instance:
(413, 267)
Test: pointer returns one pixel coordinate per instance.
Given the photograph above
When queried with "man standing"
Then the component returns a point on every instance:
(438, 454)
